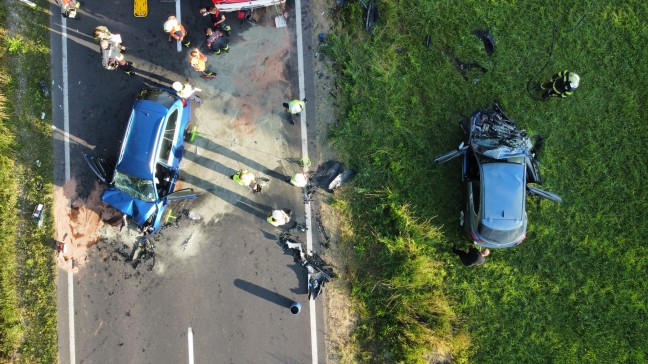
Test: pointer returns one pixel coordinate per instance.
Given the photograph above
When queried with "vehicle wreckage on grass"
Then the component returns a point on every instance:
(498, 167)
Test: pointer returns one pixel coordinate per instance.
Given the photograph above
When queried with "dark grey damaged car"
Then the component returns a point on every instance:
(498, 167)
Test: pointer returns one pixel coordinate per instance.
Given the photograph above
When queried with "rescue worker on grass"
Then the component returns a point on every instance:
(176, 30)
(562, 84)
(245, 178)
(199, 63)
(279, 217)
(216, 41)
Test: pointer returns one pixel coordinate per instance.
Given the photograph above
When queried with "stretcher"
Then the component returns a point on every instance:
(140, 8)
(236, 5)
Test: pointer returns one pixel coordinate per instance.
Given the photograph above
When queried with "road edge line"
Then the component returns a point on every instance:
(304, 140)
(66, 143)
(177, 3)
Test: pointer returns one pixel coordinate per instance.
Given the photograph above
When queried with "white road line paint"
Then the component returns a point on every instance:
(304, 137)
(190, 343)
(66, 140)
(178, 44)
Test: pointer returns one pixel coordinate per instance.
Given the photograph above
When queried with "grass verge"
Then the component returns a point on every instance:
(28, 321)
(572, 292)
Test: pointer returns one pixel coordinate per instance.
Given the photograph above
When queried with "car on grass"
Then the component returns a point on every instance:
(142, 182)
(498, 167)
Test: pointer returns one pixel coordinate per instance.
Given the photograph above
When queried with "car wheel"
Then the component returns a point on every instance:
(461, 218)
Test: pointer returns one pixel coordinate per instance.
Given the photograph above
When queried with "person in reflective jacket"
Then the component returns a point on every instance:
(562, 84)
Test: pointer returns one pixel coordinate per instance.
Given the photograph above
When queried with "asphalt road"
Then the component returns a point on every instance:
(222, 274)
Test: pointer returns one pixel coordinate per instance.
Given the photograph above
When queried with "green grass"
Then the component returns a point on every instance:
(28, 322)
(574, 292)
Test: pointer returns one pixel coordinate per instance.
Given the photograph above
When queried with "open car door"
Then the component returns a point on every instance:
(184, 194)
(535, 191)
(100, 167)
(461, 150)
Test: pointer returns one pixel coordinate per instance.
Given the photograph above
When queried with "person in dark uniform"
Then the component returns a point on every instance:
(562, 84)
(472, 257)
(217, 19)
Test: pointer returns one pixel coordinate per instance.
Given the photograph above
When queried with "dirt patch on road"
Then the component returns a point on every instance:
(78, 223)
(266, 75)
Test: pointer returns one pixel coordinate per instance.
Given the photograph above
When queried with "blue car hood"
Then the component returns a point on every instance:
(138, 210)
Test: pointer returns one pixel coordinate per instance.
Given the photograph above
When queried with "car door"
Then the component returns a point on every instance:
(461, 150)
(535, 191)
(184, 194)
(100, 167)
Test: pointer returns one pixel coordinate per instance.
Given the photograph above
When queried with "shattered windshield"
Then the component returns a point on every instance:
(496, 136)
(138, 188)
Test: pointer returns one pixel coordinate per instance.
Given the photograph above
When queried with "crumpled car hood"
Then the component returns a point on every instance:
(138, 210)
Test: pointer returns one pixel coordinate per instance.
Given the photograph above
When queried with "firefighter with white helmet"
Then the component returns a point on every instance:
(562, 84)
(186, 91)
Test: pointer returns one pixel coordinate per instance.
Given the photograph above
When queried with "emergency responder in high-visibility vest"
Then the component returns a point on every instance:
(562, 84)
(299, 180)
(186, 91)
(69, 8)
(279, 217)
(295, 106)
(199, 62)
(176, 30)
(245, 178)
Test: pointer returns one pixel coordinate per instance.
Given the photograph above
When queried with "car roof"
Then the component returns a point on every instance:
(503, 194)
(139, 148)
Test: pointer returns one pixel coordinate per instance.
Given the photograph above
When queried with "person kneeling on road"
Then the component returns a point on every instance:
(299, 180)
(279, 217)
(245, 178)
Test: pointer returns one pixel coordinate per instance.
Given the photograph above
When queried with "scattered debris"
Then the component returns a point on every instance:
(44, 88)
(341, 179)
(487, 38)
(38, 211)
(319, 272)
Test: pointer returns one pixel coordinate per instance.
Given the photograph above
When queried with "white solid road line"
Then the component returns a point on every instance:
(178, 44)
(66, 139)
(304, 138)
(190, 343)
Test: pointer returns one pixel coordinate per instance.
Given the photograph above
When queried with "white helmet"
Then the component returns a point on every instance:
(169, 24)
(574, 79)
(177, 86)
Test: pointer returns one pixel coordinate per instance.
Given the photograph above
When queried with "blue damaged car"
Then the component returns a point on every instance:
(142, 182)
